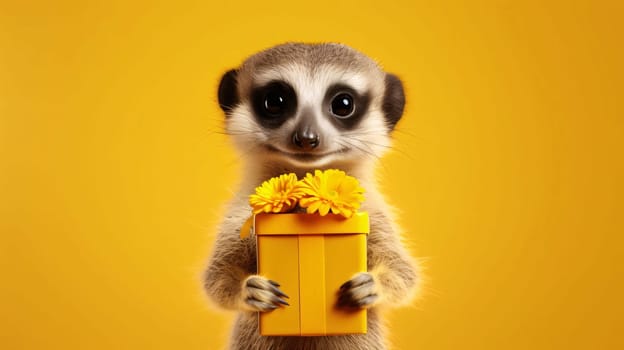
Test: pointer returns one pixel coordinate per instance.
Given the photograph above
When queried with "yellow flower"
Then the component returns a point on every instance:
(277, 195)
(331, 190)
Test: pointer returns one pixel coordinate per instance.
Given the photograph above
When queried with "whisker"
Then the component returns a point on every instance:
(355, 136)
(363, 150)
(366, 152)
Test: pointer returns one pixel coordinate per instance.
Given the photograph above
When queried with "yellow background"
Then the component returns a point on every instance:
(508, 166)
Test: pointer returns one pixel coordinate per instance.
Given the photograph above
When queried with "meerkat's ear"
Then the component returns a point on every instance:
(394, 100)
(228, 93)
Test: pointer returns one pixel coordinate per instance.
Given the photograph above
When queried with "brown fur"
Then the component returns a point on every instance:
(393, 272)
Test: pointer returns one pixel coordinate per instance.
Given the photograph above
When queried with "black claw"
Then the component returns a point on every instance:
(274, 283)
(276, 300)
(279, 292)
(358, 280)
(346, 285)
(346, 305)
(260, 304)
(346, 300)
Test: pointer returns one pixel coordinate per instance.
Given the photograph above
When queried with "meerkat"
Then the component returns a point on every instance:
(295, 108)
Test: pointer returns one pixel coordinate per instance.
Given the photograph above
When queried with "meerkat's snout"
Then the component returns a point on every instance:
(306, 137)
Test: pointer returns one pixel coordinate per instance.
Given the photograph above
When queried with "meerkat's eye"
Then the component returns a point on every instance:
(342, 105)
(274, 103)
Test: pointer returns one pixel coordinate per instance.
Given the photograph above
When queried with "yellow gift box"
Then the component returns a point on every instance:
(311, 256)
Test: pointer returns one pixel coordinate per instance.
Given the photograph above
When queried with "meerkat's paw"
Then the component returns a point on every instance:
(261, 294)
(359, 292)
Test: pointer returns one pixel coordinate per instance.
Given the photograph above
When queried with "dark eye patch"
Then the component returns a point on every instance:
(344, 106)
(273, 103)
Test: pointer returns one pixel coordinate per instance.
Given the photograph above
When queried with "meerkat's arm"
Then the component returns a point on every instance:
(391, 275)
(232, 261)
(393, 271)
(231, 280)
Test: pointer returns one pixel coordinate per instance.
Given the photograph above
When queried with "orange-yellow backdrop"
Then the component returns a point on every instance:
(508, 166)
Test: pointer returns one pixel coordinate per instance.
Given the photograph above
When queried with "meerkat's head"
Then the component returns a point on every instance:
(310, 106)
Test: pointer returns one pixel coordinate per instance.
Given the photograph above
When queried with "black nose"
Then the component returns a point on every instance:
(305, 139)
